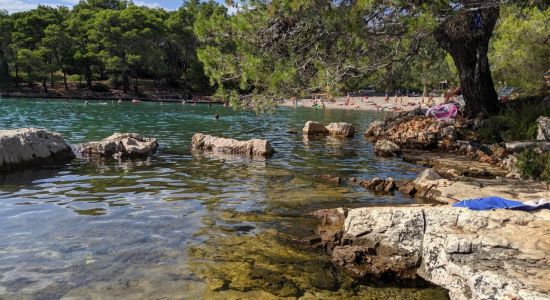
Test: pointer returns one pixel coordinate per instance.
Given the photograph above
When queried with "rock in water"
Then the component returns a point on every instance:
(386, 148)
(315, 128)
(255, 147)
(341, 129)
(375, 129)
(499, 254)
(119, 145)
(31, 146)
(544, 129)
(329, 179)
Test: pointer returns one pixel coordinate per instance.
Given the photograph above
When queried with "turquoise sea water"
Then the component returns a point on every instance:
(181, 225)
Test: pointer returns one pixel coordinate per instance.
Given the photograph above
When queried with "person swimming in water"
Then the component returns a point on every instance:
(217, 116)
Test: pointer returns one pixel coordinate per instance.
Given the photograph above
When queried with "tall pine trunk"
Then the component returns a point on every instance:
(88, 75)
(465, 35)
(62, 70)
(125, 82)
(425, 88)
(4, 71)
(45, 86)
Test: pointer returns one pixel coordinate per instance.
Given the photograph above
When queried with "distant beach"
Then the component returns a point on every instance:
(376, 103)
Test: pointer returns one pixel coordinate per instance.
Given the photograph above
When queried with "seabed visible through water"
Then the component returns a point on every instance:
(183, 225)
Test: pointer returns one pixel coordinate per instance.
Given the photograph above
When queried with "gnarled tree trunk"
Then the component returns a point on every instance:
(465, 35)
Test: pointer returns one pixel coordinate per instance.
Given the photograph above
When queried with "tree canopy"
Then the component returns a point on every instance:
(263, 51)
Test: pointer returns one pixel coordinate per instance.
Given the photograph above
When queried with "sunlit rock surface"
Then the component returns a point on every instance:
(386, 148)
(30, 147)
(430, 185)
(315, 128)
(474, 254)
(341, 129)
(254, 147)
(119, 145)
(543, 129)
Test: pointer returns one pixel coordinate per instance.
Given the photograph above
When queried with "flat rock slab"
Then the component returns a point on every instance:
(119, 145)
(31, 147)
(501, 254)
(254, 147)
(430, 185)
(453, 165)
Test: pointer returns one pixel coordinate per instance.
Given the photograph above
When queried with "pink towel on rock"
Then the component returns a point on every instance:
(443, 112)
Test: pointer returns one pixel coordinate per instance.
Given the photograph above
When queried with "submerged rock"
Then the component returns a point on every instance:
(386, 148)
(474, 254)
(31, 146)
(315, 128)
(329, 179)
(119, 145)
(255, 147)
(341, 129)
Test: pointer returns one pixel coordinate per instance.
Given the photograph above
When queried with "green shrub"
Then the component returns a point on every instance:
(513, 124)
(534, 165)
(74, 77)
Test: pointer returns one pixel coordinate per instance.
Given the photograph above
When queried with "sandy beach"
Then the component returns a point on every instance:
(404, 103)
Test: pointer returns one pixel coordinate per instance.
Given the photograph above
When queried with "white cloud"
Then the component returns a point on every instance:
(16, 5)
(22, 5)
(151, 5)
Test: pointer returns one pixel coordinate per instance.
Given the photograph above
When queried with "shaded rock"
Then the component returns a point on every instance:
(474, 254)
(31, 147)
(379, 185)
(373, 183)
(498, 151)
(375, 129)
(447, 133)
(538, 146)
(255, 147)
(451, 165)
(329, 179)
(119, 145)
(386, 148)
(389, 185)
(315, 128)
(341, 129)
(408, 189)
(543, 133)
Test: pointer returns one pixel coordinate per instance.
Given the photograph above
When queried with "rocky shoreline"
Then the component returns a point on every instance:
(473, 254)
(499, 254)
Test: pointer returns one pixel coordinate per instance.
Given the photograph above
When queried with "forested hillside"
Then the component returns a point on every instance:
(275, 49)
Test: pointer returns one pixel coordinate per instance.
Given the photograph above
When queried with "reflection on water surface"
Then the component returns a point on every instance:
(181, 224)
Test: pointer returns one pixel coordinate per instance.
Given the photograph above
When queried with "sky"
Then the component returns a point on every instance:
(22, 5)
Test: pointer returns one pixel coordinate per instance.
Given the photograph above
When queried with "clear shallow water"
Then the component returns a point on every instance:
(181, 224)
